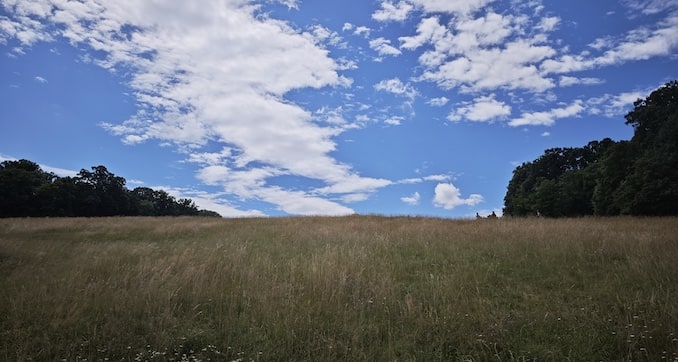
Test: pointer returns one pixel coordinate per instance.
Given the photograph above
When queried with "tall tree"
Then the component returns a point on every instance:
(636, 177)
(20, 182)
(106, 194)
(652, 185)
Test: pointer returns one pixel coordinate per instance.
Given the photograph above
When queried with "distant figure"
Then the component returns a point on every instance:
(492, 215)
(538, 213)
(478, 216)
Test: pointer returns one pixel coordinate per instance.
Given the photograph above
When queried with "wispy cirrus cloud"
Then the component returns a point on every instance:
(566, 81)
(648, 7)
(638, 44)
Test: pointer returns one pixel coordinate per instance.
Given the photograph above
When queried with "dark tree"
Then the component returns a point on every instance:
(104, 193)
(652, 185)
(26, 190)
(20, 182)
(558, 183)
(636, 177)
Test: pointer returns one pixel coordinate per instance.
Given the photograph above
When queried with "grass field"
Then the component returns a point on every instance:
(356, 288)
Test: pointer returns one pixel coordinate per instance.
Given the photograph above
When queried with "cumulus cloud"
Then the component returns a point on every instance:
(394, 121)
(211, 72)
(411, 200)
(383, 47)
(393, 12)
(480, 51)
(448, 197)
(438, 102)
(548, 118)
(483, 109)
(487, 52)
(396, 86)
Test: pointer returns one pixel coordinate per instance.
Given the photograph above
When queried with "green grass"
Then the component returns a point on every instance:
(357, 288)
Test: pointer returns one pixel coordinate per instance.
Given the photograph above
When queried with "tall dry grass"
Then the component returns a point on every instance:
(348, 288)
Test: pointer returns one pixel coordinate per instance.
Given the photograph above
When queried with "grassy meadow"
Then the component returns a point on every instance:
(355, 288)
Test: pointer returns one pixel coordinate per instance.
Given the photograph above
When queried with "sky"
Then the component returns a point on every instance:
(324, 107)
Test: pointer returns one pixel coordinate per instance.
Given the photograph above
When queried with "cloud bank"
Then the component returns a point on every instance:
(214, 72)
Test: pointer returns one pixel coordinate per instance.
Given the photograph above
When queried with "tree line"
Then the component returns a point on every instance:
(634, 177)
(27, 190)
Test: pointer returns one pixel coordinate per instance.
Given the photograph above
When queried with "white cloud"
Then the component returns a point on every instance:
(643, 43)
(301, 203)
(40, 79)
(213, 72)
(416, 180)
(428, 30)
(396, 86)
(615, 105)
(548, 23)
(383, 47)
(459, 7)
(393, 12)
(548, 118)
(649, 7)
(438, 102)
(363, 31)
(483, 109)
(484, 53)
(61, 172)
(511, 67)
(291, 4)
(411, 200)
(448, 197)
(566, 81)
(638, 44)
(322, 34)
(394, 121)
(207, 201)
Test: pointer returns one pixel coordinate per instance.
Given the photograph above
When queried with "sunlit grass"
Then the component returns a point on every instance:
(347, 288)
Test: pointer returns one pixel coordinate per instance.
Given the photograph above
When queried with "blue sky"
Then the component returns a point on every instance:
(309, 107)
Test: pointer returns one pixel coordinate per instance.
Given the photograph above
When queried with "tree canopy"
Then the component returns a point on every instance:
(635, 177)
(27, 190)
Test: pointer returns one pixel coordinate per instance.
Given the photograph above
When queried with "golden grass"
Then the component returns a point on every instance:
(347, 288)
